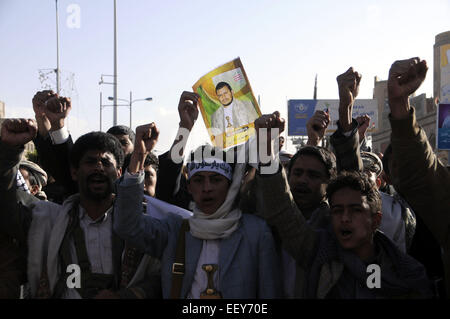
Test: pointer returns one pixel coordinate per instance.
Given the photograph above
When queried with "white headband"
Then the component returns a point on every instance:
(215, 165)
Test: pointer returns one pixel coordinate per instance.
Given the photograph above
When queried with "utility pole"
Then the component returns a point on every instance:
(115, 69)
(57, 52)
(315, 88)
(129, 104)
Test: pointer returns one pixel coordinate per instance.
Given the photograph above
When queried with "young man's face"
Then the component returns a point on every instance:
(149, 181)
(225, 96)
(96, 174)
(209, 190)
(308, 180)
(127, 144)
(353, 223)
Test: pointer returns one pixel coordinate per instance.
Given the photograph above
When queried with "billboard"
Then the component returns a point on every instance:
(445, 74)
(300, 111)
(443, 127)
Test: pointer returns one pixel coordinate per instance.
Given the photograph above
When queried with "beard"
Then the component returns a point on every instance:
(307, 200)
(229, 103)
(94, 192)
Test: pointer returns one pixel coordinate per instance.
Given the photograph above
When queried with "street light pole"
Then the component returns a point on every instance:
(57, 51)
(115, 69)
(131, 103)
(101, 111)
(101, 105)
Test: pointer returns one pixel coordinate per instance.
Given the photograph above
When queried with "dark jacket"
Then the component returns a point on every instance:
(423, 181)
(328, 268)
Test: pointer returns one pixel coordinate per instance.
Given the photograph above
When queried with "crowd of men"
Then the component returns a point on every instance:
(339, 222)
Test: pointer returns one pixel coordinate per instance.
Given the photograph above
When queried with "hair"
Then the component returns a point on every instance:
(152, 159)
(100, 141)
(221, 85)
(122, 130)
(357, 181)
(327, 158)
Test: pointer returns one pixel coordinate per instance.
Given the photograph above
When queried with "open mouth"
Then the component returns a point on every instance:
(302, 190)
(207, 200)
(345, 234)
(97, 180)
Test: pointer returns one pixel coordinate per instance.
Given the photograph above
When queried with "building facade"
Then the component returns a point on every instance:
(425, 107)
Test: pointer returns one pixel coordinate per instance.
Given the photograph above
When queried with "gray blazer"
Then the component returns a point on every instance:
(248, 263)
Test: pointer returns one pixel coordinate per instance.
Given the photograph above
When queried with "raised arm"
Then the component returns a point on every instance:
(345, 140)
(54, 146)
(15, 219)
(417, 173)
(144, 232)
(168, 186)
(276, 205)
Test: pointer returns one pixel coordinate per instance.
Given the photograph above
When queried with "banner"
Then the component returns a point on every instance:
(300, 111)
(227, 104)
(443, 127)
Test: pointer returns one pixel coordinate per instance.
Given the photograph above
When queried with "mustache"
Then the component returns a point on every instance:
(97, 176)
(302, 189)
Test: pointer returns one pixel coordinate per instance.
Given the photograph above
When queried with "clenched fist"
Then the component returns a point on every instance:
(405, 77)
(39, 100)
(316, 127)
(188, 109)
(146, 138)
(56, 110)
(16, 132)
(268, 126)
(348, 84)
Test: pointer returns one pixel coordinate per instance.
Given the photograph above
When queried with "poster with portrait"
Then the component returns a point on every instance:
(227, 104)
(443, 127)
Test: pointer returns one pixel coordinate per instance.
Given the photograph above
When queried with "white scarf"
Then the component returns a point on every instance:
(225, 220)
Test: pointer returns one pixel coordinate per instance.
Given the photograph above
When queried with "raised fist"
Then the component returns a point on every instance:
(39, 100)
(56, 110)
(405, 77)
(188, 109)
(146, 138)
(348, 84)
(363, 124)
(16, 132)
(316, 127)
(268, 127)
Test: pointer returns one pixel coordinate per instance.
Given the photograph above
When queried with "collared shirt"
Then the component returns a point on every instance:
(98, 239)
